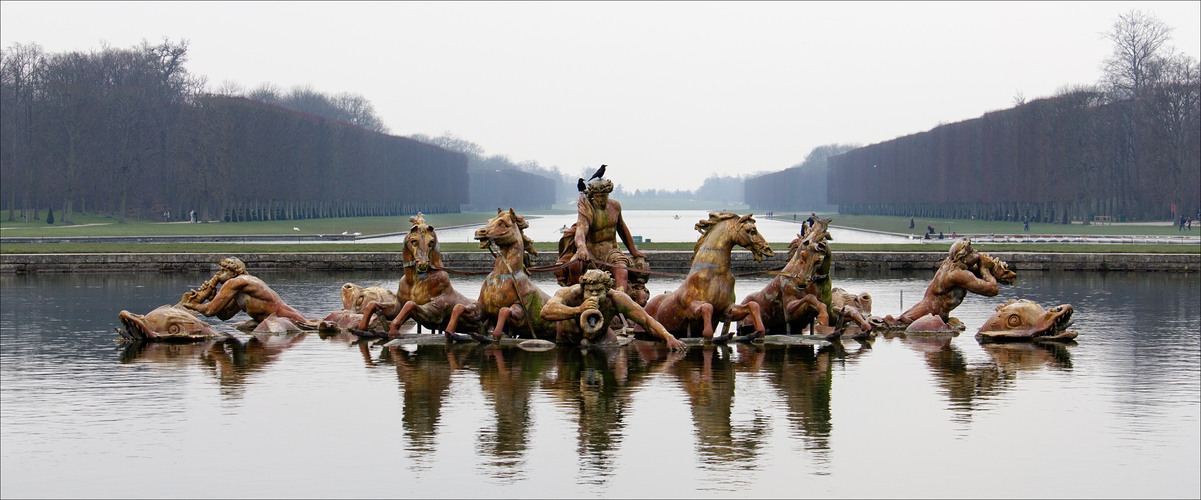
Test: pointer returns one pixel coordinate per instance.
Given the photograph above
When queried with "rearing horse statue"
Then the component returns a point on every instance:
(707, 295)
(432, 300)
(795, 296)
(508, 297)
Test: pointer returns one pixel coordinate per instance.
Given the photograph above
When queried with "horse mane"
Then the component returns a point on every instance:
(793, 247)
(419, 225)
(526, 243)
(707, 225)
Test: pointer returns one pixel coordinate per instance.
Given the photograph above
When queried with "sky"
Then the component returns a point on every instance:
(666, 94)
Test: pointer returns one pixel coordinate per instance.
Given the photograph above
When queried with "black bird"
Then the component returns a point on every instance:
(600, 172)
(581, 186)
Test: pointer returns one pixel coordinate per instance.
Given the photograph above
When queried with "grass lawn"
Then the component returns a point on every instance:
(900, 225)
(98, 225)
(550, 247)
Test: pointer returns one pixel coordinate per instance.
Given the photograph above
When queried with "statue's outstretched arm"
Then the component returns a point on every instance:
(221, 301)
(556, 309)
(637, 314)
(985, 285)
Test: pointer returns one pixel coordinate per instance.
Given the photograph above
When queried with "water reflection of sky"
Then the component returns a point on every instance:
(306, 416)
(658, 225)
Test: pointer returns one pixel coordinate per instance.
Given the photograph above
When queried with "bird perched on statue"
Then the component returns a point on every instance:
(600, 172)
(581, 185)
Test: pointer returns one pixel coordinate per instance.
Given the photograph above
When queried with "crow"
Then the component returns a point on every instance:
(600, 172)
(581, 186)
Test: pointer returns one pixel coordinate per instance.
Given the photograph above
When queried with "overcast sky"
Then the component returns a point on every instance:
(665, 93)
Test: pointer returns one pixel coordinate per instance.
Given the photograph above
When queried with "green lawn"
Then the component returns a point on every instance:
(900, 225)
(98, 225)
(549, 247)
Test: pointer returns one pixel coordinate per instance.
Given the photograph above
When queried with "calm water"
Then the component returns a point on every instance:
(1115, 415)
(661, 226)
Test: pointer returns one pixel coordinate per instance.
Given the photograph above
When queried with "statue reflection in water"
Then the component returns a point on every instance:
(968, 385)
(230, 361)
(801, 375)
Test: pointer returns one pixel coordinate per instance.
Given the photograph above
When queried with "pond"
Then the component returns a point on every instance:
(661, 226)
(1115, 415)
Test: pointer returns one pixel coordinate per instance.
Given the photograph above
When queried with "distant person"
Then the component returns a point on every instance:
(911, 223)
(1181, 228)
(929, 229)
(953, 235)
(1026, 223)
(1190, 223)
(940, 235)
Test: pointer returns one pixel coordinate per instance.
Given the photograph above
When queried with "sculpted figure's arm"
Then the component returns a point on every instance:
(625, 234)
(583, 226)
(556, 309)
(635, 313)
(220, 304)
(985, 285)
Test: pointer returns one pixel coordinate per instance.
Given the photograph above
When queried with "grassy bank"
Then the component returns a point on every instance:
(98, 225)
(900, 225)
(550, 247)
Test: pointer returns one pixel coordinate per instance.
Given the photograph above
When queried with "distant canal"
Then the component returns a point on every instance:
(1116, 415)
(661, 226)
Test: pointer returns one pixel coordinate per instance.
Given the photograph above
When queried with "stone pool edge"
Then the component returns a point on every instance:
(668, 261)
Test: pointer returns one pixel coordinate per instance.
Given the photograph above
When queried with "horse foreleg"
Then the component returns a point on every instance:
(394, 327)
(514, 311)
(705, 311)
(808, 304)
(748, 310)
(369, 312)
(501, 317)
(455, 312)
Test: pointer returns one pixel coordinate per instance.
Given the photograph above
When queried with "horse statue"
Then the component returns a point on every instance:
(508, 297)
(431, 300)
(707, 295)
(795, 295)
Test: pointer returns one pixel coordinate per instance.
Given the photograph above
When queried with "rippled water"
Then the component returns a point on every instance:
(1115, 415)
(661, 226)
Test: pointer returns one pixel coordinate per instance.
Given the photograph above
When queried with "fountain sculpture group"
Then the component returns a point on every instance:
(604, 290)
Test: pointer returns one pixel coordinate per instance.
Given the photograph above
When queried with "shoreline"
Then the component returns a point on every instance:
(669, 261)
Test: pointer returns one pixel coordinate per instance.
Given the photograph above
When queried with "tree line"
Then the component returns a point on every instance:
(1127, 147)
(798, 188)
(130, 132)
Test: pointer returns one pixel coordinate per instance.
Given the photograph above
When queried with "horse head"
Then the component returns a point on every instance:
(506, 231)
(747, 236)
(804, 260)
(740, 230)
(421, 246)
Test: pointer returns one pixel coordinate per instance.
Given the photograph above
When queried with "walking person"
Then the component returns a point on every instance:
(1026, 223)
(911, 223)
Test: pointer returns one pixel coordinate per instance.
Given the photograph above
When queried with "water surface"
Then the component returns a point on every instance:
(661, 226)
(1115, 415)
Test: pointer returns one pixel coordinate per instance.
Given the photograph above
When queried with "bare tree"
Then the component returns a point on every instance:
(450, 141)
(230, 88)
(1175, 101)
(1137, 39)
(267, 92)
